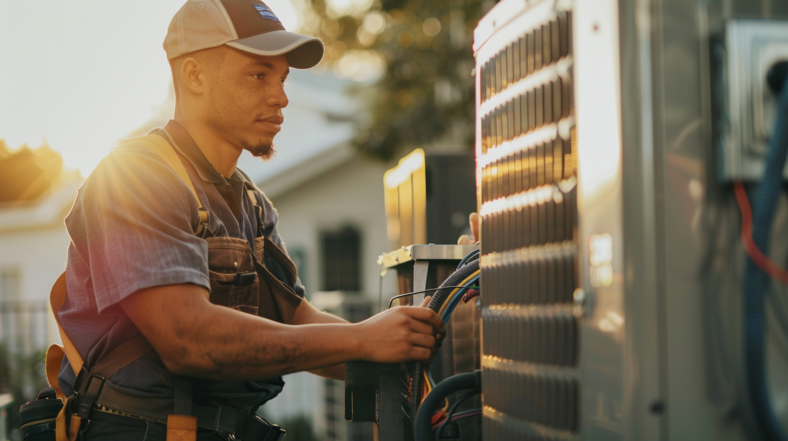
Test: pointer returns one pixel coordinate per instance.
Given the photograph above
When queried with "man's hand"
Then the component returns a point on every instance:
(400, 334)
(475, 221)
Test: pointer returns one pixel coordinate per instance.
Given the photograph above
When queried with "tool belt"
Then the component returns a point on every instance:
(95, 393)
(92, 390)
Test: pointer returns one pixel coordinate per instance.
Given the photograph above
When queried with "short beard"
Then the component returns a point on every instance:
(262, 150)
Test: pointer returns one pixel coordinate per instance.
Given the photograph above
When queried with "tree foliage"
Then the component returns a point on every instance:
(299, 428)
(21, 375)
(426, 94)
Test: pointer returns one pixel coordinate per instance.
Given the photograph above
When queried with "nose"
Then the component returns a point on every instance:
(277, 96)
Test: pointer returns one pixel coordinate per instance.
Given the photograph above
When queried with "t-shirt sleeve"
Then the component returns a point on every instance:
(271, 223)
(132, 224)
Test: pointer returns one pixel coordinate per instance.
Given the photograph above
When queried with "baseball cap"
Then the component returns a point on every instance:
(247, 25)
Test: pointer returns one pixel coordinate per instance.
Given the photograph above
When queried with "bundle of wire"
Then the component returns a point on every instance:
(444, 302)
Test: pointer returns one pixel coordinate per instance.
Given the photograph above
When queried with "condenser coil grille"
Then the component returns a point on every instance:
(526, 154)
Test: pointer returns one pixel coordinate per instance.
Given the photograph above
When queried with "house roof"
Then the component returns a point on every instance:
(45, 212)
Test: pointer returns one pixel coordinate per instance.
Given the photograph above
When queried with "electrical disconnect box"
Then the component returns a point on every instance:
(743, 57)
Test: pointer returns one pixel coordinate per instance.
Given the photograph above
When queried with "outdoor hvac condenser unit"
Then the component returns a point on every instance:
(610, 136)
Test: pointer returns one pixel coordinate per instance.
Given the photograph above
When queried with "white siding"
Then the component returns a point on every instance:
(349, 194)
(40, 257)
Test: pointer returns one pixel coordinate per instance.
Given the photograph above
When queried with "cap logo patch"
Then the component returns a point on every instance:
(266, 12)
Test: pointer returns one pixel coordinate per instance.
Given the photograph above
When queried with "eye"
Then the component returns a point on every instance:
(284, 81)
(258, 76)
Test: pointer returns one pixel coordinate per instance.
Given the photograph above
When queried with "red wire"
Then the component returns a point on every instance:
(750, 247)
(453, 419)
(439, 417)
(470, 294)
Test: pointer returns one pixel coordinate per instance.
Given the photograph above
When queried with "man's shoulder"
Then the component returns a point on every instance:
(137, 179)
(132, 161)
(136, 152)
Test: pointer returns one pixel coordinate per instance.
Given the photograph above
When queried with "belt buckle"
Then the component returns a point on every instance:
(88, 399)
(275, 434)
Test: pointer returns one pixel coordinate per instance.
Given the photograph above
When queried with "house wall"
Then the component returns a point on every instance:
(350, 194)
(39, 256)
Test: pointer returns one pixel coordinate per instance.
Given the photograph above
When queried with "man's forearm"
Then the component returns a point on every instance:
(308, 314)
(249, 347)
(204, 340)
(196, 338)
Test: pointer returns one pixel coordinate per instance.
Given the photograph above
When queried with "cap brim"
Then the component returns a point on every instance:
(302, 52)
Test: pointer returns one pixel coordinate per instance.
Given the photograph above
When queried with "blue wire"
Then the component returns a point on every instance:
(467, 258)
(464, 412)
(756, 281)
(452, 304)
(456, 299)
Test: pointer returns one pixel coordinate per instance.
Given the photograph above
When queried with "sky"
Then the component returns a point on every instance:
(84, 73)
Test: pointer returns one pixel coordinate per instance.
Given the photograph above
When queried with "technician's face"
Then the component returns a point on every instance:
(246, 100)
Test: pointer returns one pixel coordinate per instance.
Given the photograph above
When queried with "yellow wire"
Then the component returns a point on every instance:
(429, 389)
(456, 290)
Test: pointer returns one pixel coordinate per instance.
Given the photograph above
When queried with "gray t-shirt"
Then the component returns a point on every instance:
(131, 228)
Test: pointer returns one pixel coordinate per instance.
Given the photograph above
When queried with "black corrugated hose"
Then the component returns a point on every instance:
(468, 381)
(437, 301)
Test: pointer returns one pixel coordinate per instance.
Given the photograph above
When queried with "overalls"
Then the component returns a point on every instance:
(260, 283)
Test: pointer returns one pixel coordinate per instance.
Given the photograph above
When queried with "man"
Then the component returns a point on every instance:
(196, 265)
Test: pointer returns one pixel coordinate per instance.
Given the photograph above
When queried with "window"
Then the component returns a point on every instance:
(341, 263)
(9, 285)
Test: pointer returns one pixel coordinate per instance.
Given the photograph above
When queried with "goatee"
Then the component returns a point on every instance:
(263, 151)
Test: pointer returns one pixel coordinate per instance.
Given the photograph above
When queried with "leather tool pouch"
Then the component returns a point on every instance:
(234, 280)
(277, 285)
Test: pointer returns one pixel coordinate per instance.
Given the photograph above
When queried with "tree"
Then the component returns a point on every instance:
(426, 93)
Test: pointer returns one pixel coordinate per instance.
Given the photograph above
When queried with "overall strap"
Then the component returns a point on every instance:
(258, 211)
(164, 149)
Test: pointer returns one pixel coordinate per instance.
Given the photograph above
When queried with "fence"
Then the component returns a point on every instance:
(24, 326)
(24, 330)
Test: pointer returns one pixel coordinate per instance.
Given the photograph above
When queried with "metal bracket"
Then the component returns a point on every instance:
(420, 271)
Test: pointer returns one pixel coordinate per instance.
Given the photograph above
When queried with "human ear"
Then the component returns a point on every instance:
(192, 75)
